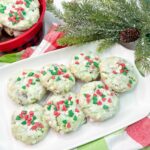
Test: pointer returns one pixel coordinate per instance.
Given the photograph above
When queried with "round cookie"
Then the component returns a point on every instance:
(25, 87)
(19, 14)
(85, 66)
(63, 114)
(97, 101)
(57, 78)
(28, 124)
(118, 74)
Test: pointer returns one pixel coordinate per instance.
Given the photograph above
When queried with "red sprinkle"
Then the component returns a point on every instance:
(106, 87)
(94, 94)
(114, 72)
(99, 103)
(30, 81)
(99, 92)
(26, 117)
(88, 100)
(59, 72)
(56, 113)
(77, 63)
(64, 108)
(24, 73)
(122, 64)
(37, 75)
(109, 100)
(81, 54)
(53, 77)
(88, 95)
(103, 99)
(28, 123)
(66, 76)
(31, 113)
(77, 110)
(129, 85)
(60, 102)
(68, 125)
(77, 101)
(70, 98)
(121, 71)
(49, 103)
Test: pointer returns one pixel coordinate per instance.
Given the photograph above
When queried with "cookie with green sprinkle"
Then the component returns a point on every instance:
(25, 87)
(85, 66)
(28, 124)
(118, 74)
(57, 78)
(98, 101)
(19, 15)
(63, 113)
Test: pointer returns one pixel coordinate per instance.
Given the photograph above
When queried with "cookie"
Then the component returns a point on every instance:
(98, 101)
(57, 78)
(85, 66)
(25, 87)
(28, 124)
(63, 114)
(118, 74)
(19, 14)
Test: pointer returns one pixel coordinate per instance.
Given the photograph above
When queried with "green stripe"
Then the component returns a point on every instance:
(99, 144)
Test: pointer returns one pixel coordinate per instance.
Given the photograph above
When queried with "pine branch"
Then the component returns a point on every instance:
(105, 44)
(142, 55)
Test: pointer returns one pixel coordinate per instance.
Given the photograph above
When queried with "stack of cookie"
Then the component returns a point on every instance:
(66, 111)
(17, 16)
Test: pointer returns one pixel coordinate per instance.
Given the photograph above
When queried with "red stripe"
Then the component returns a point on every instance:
(140, 131)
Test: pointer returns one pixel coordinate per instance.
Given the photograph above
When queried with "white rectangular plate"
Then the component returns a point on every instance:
(134, 105)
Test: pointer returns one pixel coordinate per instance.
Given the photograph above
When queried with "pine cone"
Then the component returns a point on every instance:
(129, 35)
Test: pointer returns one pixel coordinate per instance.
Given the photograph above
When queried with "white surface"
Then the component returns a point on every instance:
(134, 105)
(116, 142)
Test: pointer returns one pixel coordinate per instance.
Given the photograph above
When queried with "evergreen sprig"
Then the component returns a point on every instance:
(104, 20)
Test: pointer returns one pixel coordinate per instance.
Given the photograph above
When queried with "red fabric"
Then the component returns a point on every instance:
(52, 36)
(140, 131)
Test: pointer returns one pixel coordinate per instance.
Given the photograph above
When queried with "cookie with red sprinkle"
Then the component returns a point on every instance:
(85, 66)
(25, 87)
(118, 74)
(28, 124)
(19, 15)
(98, 101)
(57, 78)
(63, 113)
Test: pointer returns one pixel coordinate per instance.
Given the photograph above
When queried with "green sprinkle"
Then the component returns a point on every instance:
(23, 12)
(32, 122)
(96, 64)
(71, 79)
(44, 73)
(71, 102)
(64, 121)
(34, 117)
(100, 86)
(30, 74)
(53, 72)
(58, 78)
(103, 96)
(56, 68)
(124, 73)
(49, 107)
(75, 118)
(95, 99)
(24, 87)
(66, 103)
(105, 107)
(18, 79)
(38, 80)
(10, 15)
(76, 57)
(33, 83)
(70, 113)
(130, 81)
(18, 118)
(87, 64)
(23, 123)
(64, 70)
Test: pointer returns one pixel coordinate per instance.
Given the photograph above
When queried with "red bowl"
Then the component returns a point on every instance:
(17, 42)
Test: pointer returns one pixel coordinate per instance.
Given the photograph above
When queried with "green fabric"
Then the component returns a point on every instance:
(99, 144)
